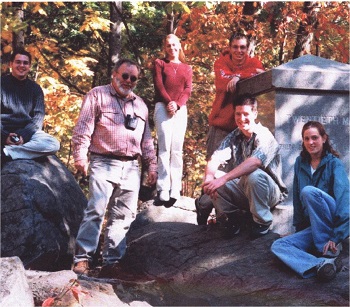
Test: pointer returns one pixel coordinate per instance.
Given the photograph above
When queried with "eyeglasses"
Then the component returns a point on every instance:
(241, 47)
(126, 76)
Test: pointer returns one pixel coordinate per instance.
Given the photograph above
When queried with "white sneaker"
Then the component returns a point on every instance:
(164, 195)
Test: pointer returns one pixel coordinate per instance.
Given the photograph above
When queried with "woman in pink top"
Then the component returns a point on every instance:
(173, 86)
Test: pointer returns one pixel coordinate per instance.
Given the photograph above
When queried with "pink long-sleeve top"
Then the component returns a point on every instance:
(172, 82)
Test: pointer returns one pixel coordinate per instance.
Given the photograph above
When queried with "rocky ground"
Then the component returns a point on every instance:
(171, 261)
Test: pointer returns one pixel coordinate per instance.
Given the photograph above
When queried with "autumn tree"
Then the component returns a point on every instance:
(72, 52)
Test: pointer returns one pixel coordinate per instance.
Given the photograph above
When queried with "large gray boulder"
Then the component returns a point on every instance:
(193, 265)
(41, 209)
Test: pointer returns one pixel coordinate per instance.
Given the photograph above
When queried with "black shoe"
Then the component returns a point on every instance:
(258, 230)
(229, 231)
(158, 203)
(231, 225)
(170, 202)
(202, 214)
(327, 269)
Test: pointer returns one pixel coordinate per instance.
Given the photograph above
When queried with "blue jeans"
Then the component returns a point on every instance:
(300, 251)
(113, 186)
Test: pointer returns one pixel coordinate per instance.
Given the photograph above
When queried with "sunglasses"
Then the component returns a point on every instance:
(242, 47)
(126, 76)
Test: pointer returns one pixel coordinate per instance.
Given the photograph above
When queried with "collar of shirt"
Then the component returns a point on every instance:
(131, 97)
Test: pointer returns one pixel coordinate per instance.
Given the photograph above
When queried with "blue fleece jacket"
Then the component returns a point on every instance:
(330, 177)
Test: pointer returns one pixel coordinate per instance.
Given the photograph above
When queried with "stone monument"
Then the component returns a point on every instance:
(307, 88)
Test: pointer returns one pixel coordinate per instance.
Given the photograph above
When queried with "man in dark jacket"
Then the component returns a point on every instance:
(22, 113)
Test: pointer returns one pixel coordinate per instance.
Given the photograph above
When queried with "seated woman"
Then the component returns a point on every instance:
(321, 208)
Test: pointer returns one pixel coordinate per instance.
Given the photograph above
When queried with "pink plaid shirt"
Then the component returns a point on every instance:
(101, 127)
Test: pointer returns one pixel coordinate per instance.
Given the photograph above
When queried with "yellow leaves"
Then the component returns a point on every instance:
(93, 23)
(79, 67)
(37, 8)
(7, 49)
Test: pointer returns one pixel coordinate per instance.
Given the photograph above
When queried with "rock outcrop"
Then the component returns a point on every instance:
(194, 265)
(41, 209)
(174, 262)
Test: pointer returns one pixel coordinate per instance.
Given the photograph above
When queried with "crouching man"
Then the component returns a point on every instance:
(253, 182)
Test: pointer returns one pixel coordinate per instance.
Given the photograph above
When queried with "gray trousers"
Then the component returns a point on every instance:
(256, 192)
(113, 188)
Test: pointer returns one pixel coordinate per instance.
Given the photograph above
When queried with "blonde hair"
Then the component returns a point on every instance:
(182, 57)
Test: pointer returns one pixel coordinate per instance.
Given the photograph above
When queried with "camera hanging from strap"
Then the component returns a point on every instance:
(129, 122)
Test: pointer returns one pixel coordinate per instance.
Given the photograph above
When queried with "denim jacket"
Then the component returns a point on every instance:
(330, 177)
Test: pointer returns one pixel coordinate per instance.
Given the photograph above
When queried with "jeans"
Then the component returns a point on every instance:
(171, 133)
(113, 187)
(300, 251)
(40, 144)
(256, 192)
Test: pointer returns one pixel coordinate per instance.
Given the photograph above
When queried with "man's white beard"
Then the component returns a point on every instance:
(122, 90)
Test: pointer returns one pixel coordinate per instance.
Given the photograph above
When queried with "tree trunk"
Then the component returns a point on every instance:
(250, 8)
(304, 34)
(115, 36)
(18, 37)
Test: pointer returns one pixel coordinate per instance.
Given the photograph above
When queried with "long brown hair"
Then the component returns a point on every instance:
(182, 57)
(327, 147)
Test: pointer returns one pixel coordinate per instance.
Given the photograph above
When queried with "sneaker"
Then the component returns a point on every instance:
(327, 269)
(81, 267)
(259, 230)
(164, 195)
(202, 214)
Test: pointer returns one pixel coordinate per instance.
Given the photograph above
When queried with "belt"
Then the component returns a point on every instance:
(120, 158)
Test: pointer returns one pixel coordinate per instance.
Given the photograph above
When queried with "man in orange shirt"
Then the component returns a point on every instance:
(234, 64)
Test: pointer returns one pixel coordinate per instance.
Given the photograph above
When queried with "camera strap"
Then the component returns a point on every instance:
(120, 105)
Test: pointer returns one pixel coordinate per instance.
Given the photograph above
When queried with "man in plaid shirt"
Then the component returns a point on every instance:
(111, 134)
(253, 182)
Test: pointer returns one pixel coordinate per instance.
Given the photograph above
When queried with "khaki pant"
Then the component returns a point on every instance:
(256, 192)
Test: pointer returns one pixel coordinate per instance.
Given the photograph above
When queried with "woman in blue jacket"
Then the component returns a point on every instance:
(321, 208)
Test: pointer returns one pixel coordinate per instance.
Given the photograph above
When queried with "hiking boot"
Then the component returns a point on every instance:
(202, 214)
(327, 269)
(258, 230)
(81, 267)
